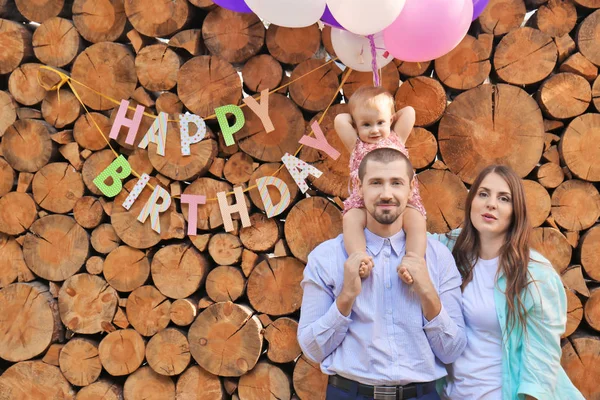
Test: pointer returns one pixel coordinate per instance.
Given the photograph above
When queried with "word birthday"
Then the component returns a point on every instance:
(160, 200)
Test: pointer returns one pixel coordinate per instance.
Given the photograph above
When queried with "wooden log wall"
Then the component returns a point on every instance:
(97, 305)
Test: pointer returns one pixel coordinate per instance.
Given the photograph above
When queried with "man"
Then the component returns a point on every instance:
(379, 337)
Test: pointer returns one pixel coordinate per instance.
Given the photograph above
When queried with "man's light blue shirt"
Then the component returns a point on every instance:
(385, 340)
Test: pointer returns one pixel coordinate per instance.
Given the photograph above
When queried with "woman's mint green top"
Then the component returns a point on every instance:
(531, 360)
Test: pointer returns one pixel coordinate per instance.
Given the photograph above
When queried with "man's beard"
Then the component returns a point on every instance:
(386, 217)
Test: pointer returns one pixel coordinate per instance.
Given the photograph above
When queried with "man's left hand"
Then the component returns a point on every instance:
(414, 269)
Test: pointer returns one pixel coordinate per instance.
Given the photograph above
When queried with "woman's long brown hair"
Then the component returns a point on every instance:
(514, 254)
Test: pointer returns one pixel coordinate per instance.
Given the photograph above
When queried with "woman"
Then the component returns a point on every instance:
(514, 302)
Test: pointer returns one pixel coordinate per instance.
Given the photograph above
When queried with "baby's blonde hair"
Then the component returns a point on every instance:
(372, 97)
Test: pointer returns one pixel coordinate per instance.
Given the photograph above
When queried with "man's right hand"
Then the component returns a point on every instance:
(352, 280)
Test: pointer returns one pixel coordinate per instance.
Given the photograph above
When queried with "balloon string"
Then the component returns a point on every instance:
(376, 80)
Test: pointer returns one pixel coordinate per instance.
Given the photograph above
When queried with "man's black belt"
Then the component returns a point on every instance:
(383, 392)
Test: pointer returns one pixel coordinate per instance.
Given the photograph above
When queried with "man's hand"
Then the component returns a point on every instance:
(415, 267)
(352, 281)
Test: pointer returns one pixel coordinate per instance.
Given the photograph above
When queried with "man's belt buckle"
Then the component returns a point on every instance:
(385, 392)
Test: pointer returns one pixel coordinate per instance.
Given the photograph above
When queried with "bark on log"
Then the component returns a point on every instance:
(30, 322)
(226, 326)
(502, 16)
(579, 148)
(589, 249)
(157, 18)
(168, 352)
(283, 341)
(157, 66)
(56, 42)
(262, 235)
(580, 360)
(198, 384)
(262, 72)
(238, 168)
(565, 95)
(108, 68)
(265, 381)
(538, 202)
(389, 80)
(105, 239)
(552, 245)
(314, 92)
(468, 64)
(575, 205)
(309, 223)
(269, 169)
(289, 126)
(86, 134)
(57, 187)
(178, 270)
(309, 381)
(177, 166)
(17, 213)
(11, 260)
(422, 147)
(56, 248)
(225, 283)
(233, 36)
(40, 10)
(574, 313)
(426, 96)
(16, 40)
(444, 197)
(293, 45)
(225, 248)
(88, 212)
(87, 304)
(587, 37)
(101, 390)
(580, 65)
(148, 310)
(8, 111)
(122, 352)
(274, 286)
(26, 145)
(35, 380)
(126, 268)
(556, 18)
(99, 21)
(130, 230)
(478, 121)
(205, 83)
(550, 175)
(79, 361)
(525, 56)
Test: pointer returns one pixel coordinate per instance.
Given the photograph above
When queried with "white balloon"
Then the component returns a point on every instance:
(355, 50)
(365, 17)
(288, 13)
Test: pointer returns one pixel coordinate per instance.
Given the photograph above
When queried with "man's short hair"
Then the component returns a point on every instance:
(370, 96)
(385, 155)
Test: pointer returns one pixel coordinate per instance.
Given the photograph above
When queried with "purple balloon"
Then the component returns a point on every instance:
(234, 5)
(478, 7)
(329, 19)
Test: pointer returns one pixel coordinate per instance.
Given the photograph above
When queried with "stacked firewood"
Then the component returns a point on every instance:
(95, 304)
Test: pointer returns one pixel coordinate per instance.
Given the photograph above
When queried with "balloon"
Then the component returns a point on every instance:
(329, 19)
(288, 13)
(235, 5)
(428, 29)
(478, 7)
(365, 17)
(355, 50)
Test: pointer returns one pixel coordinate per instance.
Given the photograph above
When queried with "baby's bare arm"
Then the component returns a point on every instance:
(345, 130)
(404, 121)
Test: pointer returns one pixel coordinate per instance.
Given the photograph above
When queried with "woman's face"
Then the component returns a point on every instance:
(492, 207)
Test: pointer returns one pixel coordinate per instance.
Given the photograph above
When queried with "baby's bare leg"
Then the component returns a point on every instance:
(354, 223)
(415, 228)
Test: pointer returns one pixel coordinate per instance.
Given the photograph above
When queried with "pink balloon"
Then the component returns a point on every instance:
(428, 29)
